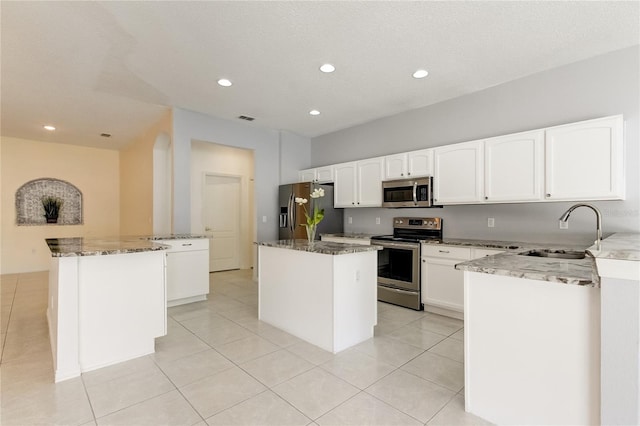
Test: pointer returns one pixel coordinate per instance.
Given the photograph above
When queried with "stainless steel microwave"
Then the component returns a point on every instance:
(407, 192)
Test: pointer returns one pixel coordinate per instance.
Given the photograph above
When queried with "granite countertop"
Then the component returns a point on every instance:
(68, 247)
(511, 264)
(349, 235)
(173, 237)
(320, 247)
(620, 246)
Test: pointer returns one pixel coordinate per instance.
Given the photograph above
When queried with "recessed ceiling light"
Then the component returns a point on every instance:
(327, 68)
(49, 128)
(420, 74)
(314, 112)
(224, 82)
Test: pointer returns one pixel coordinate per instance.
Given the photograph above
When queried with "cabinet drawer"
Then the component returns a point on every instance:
(447, 252)
(186, 244)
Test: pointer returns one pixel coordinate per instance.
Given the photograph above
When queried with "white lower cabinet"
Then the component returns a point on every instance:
(442, 284)
(187, 270)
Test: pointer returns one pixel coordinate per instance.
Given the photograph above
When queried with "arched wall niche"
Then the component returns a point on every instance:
(29, 210)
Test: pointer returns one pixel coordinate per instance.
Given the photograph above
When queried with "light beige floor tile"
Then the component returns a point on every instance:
(216, 393)
(440, 370)
(205, 322)
(399, 314)
(357, 368)
(222, 303)
(29, 326)
(364, 409)
(438, 324)
(387, 350)
(167, 409)
(315, 392)
(277, 336)
(222, 335)
(249, 300)
(450, 348)
(17, 345)
(195, 367)
(264, 409)
(453, 414)
(246, 349)
(416, 337)
(140, 365)
(176, 346)
(276, 367)
(189, 311)
(64, 403)
(412, 395)
(386, 326)
(240, 313)
(311, 353)
(458, 335)
(27, 373)
(126, 391)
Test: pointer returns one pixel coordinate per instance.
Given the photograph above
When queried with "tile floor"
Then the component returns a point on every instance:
(220, 365)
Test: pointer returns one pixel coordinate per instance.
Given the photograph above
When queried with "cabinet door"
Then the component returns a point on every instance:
(344, 187)
(514, 167)
(369, 183)
(395, 166)
(442, 284)
(584, 161)
(308, 175)
(324, 174)
(458, 177)
(187, 274)
(420, 163)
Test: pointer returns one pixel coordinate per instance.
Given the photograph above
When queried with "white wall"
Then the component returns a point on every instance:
(597, 87)
(295, 155)
(189, 126)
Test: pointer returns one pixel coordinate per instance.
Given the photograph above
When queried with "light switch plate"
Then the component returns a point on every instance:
(563, 225)
(491, 222)
(377, 221)
(350, 220)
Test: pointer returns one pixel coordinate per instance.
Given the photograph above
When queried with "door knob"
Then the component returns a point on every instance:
(206, 228)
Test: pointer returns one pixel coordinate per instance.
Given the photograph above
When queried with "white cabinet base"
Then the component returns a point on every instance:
(532, 351)
(184, 301)
(327, 300)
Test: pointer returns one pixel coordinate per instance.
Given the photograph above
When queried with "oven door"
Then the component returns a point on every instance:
(399, 265)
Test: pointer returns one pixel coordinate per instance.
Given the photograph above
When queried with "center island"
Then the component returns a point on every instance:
(322, 292)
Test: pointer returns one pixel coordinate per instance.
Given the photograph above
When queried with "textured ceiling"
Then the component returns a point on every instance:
(91, 67)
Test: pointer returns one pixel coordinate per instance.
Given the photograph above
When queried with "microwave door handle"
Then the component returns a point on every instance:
(415, 192)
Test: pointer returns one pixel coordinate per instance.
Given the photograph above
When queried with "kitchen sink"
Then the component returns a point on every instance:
(558, 254)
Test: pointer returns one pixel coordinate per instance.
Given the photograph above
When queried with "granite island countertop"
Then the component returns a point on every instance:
(620, 246)
(354, 235)
(80, 246)
(320, 247)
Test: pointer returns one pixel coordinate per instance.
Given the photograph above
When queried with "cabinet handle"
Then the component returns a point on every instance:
(424, 261)
(353, 203)
(548, 195)
(443, 251)
(486, 198)
(401, 174)
(186, 245)
(409, 174)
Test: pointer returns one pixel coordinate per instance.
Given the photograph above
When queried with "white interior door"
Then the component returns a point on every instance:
(222, 221)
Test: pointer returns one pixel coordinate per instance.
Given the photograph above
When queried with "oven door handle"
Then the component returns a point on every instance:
(415, 193)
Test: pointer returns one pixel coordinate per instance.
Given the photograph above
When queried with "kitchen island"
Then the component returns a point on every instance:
(324, 293)
(107, 301)
(532, 339)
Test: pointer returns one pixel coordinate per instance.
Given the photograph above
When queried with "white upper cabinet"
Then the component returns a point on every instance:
(319, 175)
(514, 167)
(307, 175)
(585, 160)
(409, 164)
(395, 166)
(458, 173)
(358, 183)
(369, 187)
(420, 163)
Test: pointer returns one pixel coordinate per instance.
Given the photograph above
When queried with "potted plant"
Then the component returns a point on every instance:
(51, 207)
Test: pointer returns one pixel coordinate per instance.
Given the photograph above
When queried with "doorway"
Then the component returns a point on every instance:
(221, 219)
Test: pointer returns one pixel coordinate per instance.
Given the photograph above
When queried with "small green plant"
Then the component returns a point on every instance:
(51, 207)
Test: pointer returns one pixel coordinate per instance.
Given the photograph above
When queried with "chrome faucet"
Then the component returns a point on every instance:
(565, 218)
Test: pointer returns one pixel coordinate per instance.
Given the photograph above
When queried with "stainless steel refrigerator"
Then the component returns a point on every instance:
(291, 216)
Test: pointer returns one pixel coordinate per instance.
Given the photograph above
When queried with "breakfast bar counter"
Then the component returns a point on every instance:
(324, 293)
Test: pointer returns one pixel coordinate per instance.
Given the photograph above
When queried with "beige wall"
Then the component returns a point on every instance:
(136, 180)
(94, 171)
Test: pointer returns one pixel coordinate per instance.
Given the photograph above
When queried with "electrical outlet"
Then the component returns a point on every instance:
(264, 219)
(563, 225)
(377, 221)
(350, 220)
(491, 222)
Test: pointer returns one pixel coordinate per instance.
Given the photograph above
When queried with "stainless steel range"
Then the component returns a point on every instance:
(399, 259)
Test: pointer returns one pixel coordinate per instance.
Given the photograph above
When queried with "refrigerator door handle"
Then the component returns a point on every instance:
(291, 214)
